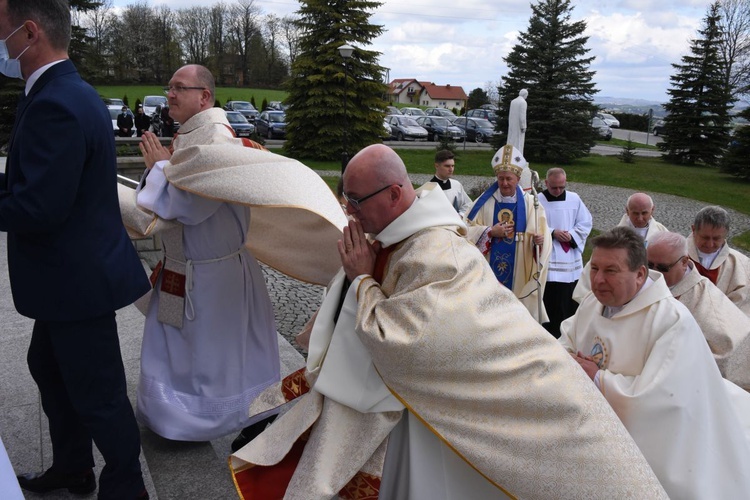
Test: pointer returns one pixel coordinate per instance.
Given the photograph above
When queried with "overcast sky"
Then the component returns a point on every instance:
(463, 42)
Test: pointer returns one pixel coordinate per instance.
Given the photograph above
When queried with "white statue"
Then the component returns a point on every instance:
(517, 121)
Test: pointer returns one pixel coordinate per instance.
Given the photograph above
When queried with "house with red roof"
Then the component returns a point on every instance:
(414, 92)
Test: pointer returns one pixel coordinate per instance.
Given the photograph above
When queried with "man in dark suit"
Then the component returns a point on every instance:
(125, 123)
(71, 263)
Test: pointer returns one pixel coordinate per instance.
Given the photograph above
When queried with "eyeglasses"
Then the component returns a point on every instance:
(662, 268)
(179, 89)
(355, 203)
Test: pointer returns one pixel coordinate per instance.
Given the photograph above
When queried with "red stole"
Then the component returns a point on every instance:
(711, 274)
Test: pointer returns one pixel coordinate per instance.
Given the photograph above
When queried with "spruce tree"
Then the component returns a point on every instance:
(550, 61)
(736, 161)
(696, 129)
(317, 124)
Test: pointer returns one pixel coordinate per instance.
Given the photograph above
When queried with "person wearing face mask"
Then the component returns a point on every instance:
(70, 260)
(125, 123)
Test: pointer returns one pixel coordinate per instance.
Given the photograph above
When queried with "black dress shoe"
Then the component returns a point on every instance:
(79, 483)
(251, 432)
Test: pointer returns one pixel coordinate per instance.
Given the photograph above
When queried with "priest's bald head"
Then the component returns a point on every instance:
(668, 253)
(640, 209)
(618, 266)
(377, 188)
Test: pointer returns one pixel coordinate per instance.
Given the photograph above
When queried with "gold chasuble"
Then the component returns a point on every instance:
(464, 358)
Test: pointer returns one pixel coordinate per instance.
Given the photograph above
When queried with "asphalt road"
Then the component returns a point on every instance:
(639, 137)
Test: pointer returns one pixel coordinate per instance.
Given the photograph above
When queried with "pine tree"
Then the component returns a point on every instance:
(317, 124)
(696, 130)
(477, 97)
(736, 161)
(550, 62)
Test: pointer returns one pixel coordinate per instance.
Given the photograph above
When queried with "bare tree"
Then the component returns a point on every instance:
(194, 26)
(135, 39)
(735, 50)
(290, 32)
(218, 39)
(243, 25)
(97, 22)
(490, 88)
(167, 47)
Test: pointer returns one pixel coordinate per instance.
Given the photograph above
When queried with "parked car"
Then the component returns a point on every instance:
(240, 125)
(277, 106)
(413, 112)
(392, 110)
(387, 130)
(150, 102)
(113, 101)
(476, 129)
(609, 120)
(445, 113)
(659, 128)
(157, 125)
(487, 114)
(491, 107)
(244, 107)
(114, 111)
(601, 128)
(405, 128)
(271, 124)
(438, 128)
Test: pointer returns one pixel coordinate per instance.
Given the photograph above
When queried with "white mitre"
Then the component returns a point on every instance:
(509, 158)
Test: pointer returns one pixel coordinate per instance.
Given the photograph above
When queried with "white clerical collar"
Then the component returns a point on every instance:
(430, 209)
(36, 74)
(610, 311)
(640, 231)
(505, 199)
(707, 259)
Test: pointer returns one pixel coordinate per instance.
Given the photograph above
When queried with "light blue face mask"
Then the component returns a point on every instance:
(11, 67)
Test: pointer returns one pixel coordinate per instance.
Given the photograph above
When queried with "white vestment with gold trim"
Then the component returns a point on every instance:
(659, 376)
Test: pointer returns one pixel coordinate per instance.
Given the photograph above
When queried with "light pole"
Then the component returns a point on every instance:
(346, 52)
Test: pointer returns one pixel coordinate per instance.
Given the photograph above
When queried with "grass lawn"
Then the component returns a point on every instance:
(646, 174)
(223, 94)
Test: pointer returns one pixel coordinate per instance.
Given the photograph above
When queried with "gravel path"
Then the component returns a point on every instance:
(294, 302)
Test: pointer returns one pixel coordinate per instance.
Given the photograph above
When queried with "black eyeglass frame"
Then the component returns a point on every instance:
(179, 89)
(662, 268)
(355, 203)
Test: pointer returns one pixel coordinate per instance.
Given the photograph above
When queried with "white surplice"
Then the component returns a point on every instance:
(455, 193)
(659, 376)
(569, 215)
(197, 382)
(733, 270)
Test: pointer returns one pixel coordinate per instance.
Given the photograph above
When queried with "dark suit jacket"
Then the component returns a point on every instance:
(69, 255)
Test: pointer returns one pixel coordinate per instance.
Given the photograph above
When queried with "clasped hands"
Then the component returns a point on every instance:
(587, 363)
(357, 254)
(562, 235)
(152, 149)
(508, 230)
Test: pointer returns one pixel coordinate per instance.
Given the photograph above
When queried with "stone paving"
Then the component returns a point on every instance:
(198, 470)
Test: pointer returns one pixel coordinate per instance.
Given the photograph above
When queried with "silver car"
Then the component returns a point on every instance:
(404, 128)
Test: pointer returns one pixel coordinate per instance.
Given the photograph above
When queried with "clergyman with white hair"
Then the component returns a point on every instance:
(726, 328)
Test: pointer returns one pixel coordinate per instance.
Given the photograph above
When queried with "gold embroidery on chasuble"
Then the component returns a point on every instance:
(173, 283)
(362, 486)
(294, 385)
(600, 353)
